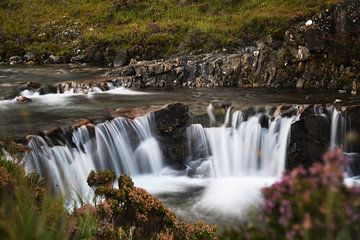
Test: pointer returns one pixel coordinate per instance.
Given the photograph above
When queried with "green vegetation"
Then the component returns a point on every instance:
(28, 210)
(306, 204)
(148, 29)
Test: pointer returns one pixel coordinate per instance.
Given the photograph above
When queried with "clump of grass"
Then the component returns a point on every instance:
(65, 26)
(26, 210)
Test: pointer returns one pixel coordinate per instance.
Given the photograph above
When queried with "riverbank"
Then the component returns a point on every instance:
(116, 31)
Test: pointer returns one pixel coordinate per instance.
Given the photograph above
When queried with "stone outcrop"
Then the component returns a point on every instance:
(321, 52)
(310, 137)
(171, 124)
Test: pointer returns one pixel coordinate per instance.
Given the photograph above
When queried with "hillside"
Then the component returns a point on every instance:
(99, 31)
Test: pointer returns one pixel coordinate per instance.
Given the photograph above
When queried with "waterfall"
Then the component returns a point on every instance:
(338, 131)
(122, 145)
(246, 148)
(334, 126)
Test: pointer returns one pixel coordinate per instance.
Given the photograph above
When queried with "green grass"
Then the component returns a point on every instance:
(167, 26)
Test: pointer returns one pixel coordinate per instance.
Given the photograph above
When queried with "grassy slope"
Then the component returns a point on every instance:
(169, 26)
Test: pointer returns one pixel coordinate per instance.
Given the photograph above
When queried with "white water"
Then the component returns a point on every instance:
(127, 147)
(63, 98)
(334, 126)
(248, 149)
(230, 164)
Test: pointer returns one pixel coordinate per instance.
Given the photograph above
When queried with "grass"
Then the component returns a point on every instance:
(164, 26)
(168, 26)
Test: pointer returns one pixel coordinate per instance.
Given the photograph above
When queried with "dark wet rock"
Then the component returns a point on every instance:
(32, 86)
(353, 168)
(353, 135)
(121, 59)
(81, 58)
(52, 59)
(47, 89)
(264, 121)
(15, 60)
(172, 119)
(309, 139)
(58, 136)
(29, 57)
(23, 99)
(287, 110)
(171, 124)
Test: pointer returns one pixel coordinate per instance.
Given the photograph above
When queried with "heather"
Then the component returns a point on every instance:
(309, 203)
(29, 210)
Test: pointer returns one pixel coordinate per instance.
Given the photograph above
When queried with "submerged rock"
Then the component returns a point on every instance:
(133, 112)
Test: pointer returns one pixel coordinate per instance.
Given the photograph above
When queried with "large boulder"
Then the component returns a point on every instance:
(171, 124)
(309, 139)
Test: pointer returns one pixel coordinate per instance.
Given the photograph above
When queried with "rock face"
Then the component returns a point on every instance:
(322, 52)
(309, 138)
(171, 124)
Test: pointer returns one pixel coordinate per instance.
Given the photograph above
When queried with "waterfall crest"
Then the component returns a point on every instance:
(124, 146)
(246, 148)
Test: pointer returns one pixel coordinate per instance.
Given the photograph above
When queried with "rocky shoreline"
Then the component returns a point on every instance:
(320, 52)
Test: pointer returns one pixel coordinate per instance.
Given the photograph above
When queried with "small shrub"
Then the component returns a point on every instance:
(132, 213)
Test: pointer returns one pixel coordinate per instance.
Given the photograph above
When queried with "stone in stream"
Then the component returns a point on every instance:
(171, 124)
(132, 113)
(22, 99)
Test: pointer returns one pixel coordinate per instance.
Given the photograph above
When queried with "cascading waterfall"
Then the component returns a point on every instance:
(334, 126)
(127, 147)
(242, 158)
(232, 162)
(245, 148)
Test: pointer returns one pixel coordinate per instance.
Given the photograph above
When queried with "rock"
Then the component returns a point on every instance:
(82, 122)
(353, 132)
(132, 113)
(32, 85)
(15, 60)
(79, 59)
(353, 168)
(310, 138)
(53, 59)
(303, 53)
(29, 57)
(121, 59)
(23, 99)
(171, 124)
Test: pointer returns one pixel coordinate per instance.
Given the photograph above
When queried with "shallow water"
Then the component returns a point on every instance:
(44, 112)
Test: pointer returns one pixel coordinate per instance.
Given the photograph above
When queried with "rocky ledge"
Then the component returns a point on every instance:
(310, 135)
(320, 52)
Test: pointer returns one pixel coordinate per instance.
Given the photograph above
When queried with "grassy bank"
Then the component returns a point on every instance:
(151, 28)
